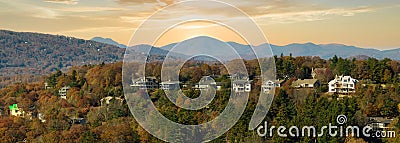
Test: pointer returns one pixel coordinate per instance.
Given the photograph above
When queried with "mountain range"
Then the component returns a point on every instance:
(208, 45)
(108, 41)
(36, 53)
(324, 51)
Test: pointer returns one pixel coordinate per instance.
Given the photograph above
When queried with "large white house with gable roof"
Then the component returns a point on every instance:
(343, 84)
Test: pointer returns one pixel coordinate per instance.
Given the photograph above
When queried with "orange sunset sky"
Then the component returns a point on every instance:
(363, 23)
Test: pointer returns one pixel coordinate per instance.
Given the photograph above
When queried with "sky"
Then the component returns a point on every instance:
(362, 23)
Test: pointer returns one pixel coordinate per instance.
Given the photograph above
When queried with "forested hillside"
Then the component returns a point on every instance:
(114, 123)
(34, 53)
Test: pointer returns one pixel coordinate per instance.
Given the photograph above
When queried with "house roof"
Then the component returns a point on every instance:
(380, 120)
(342, 78)
(110, 97)
(65, 87)
(276, 81)
(14, 107)
(279, 81)
(239, 76)
(242, 81)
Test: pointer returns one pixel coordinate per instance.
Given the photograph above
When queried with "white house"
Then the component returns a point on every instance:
(269, 85)
(41, 117)
(15, 111)
(306, 83)
(145, 83)
(343, 84)
(241, 85)
(75, 120)
(63, 92)
(47, 86)
(379, 123)
(170, 85)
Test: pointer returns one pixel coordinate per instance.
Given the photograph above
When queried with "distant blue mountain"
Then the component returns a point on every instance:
(143, 48)
(325, 51)
(204, 44)
(108, 41)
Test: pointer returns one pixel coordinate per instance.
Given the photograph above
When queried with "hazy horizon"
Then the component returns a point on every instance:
(159, 46)
(367, 24)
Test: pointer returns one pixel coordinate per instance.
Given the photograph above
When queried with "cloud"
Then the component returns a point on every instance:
(197, 25)
(310, 15)
(89, 9)
(102, 29)
(70, 2)
(161, 3)
(29, 9)
(132, 19)
(274, 11)
(45, 13)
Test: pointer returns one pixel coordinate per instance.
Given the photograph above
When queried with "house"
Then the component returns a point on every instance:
(306, 83)
(31, 113)
(269, 85)
(379, 123)
(170, 85)
(342, 84)
(41, 117)
(106, 100)
(317, 72)
(63, 92)
(145, 83)
(75, 120)
(241, 85)
(47, 86)
(15, 111)
(206, 83)
(219, 85)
